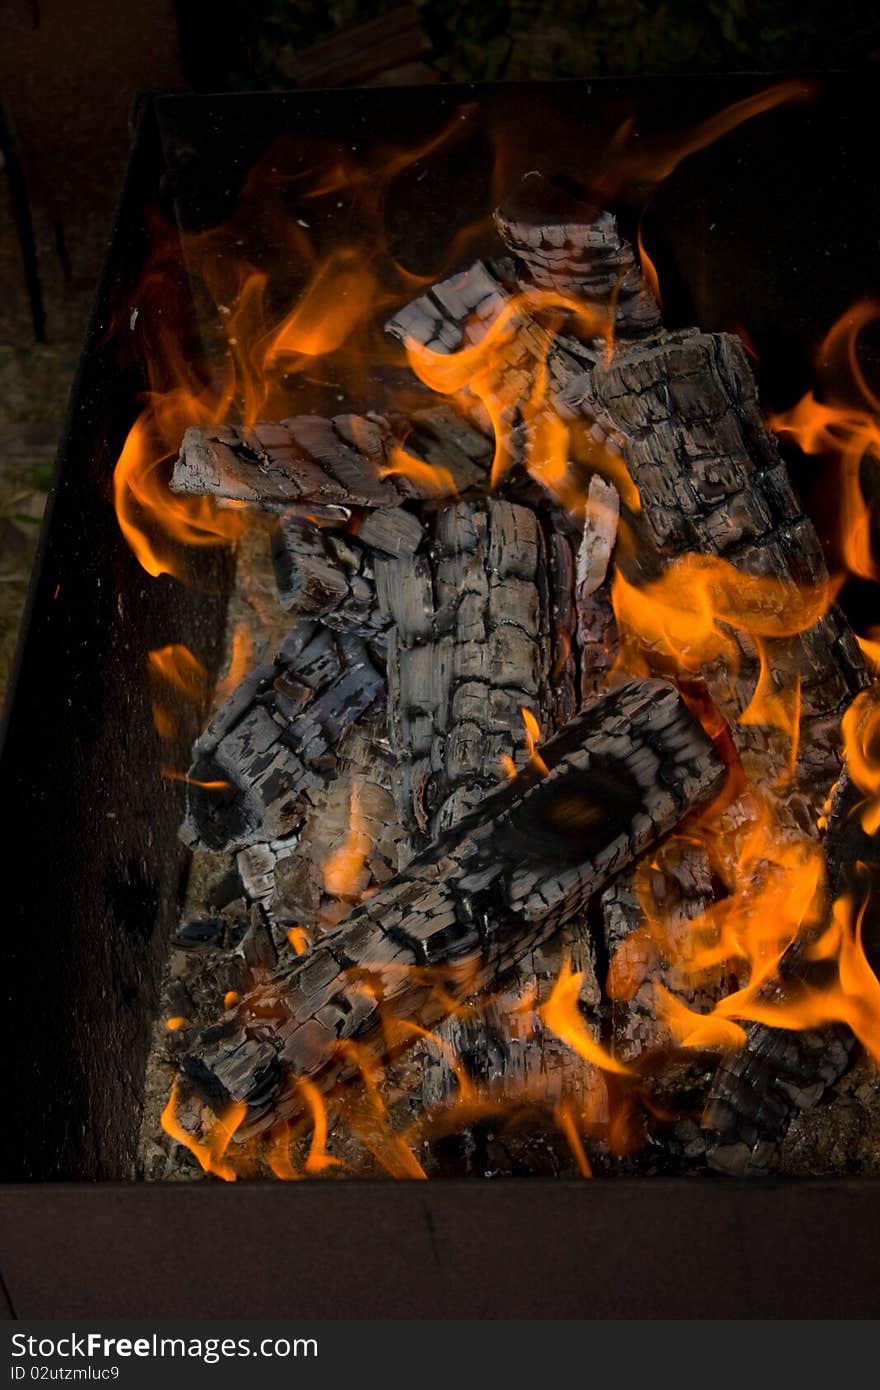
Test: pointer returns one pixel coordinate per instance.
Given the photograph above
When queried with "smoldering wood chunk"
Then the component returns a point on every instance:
(711, 482)
(329, 466)
(459, 454)
(470, 646)
(393, 531)
(477, 900)
(273, 741)
(326, 573)
(568, 245)
(759, 1088)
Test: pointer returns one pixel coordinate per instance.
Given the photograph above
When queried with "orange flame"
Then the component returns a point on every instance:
(278, 1153)
(861, 748)
(174, 776)
(649, 270)
(563, 1017)
(344, 868)
(683, 613)
(532, 737)
(565, 1120)
(209, 1153)
(319, 1159)
(240, 661)
(154, 520)
(299, 940)
(431, 479)
(481, 370)
(372, 1128)
(849, 433)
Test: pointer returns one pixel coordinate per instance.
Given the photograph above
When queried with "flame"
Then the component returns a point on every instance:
(852, 997)
(532, 736)
(683, 613)
(431, 479)
(372, 1126)
(240, 661)
(845, 431)
(176, 667)
(481, 370)
(861, 748)
(174, 776)
(344, 868)
(562, 1016)
(209, 1153)
(778, 707)
(870, 645)
(150, 515)
(179, 668)
(299, 940)
(649, 270)
(565, 1120)
(319, 1160)
(339, 296)
(278, 1153)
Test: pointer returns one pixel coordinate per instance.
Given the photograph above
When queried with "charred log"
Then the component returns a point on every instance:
(273, 742)
(331, 467)
(477, 900)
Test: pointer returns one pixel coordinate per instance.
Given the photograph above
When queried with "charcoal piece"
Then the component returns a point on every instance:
(273, 742)
(502, 1044)
(477, 900)
(353, 812)
(326, 574)
(457, 313)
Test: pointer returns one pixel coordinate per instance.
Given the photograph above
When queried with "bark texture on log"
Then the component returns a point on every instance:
(275, 739)
(476, 901)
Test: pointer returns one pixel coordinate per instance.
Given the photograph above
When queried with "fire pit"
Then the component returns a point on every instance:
(522, 840)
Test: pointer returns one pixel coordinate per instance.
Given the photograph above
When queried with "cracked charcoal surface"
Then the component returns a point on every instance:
(330, 467)
(274, 741)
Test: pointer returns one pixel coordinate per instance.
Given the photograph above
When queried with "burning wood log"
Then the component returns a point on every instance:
(330, 467)
(475, 901)
(274, 740)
